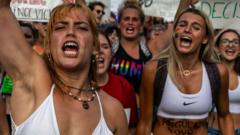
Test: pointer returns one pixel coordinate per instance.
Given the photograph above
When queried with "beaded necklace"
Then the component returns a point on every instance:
(91, 94)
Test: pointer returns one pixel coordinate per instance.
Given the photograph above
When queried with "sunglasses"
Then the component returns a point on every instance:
(100, 11)
(226, 42)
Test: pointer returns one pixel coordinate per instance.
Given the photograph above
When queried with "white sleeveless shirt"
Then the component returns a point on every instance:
(178, 105)
(43, 121)
(234, 99)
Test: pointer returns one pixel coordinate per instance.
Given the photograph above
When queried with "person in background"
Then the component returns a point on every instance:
(184, 108)
(29, 32)
(58, 93)
(112, 18)
(112, 32)
(97, 8)
(130, 52)
(116, 86)
(228, 45)
(41, 28)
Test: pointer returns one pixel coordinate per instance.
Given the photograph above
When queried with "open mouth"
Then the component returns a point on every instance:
(130, 30)
(230, 51)
(186, 41)
(100, 58)
(70, 48)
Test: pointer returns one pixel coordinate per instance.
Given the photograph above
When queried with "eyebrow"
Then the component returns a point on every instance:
(81, 22)
(194, 23)
(75, 23)
(234, 39)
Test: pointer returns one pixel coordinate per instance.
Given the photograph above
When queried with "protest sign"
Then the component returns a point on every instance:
(160, 8)
(33, 10)
(223, 13)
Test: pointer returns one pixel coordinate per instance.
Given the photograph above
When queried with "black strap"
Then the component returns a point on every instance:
(159, 84)
(215, 81)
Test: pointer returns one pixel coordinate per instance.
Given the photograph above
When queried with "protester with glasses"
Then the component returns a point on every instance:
(97, 8)
(228, 45)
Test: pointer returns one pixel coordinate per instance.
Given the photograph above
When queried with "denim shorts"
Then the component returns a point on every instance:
(213, 131)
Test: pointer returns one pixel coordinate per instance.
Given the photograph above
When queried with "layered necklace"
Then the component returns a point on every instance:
(90, 94)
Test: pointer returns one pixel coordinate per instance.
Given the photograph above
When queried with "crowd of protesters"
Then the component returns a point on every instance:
(125, 75)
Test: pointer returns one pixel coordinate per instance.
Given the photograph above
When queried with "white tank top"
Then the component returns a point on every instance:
(234, 99)
(43, 121)
(177, 105)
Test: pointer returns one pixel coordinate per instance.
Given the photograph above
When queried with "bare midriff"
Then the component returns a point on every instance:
(180, 127)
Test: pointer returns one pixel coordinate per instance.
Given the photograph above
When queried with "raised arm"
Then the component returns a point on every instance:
(225, 120)
(15, 53)
(29, 74)
(162, 41)
(184, 4)
(146, 98)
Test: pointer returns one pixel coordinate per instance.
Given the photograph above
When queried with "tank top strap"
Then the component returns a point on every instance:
(100, 104)
(52, 89)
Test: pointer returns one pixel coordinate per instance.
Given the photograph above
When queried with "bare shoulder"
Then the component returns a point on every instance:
(110, 104)
(150, 66)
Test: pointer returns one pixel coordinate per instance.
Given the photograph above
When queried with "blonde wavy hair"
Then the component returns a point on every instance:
(207, 51)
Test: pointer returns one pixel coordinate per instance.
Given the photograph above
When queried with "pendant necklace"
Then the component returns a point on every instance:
(90, 94)
(186, 73)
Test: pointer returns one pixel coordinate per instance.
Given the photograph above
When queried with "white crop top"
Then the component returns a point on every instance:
(177, 105)
(234, 99)
(43, 121)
